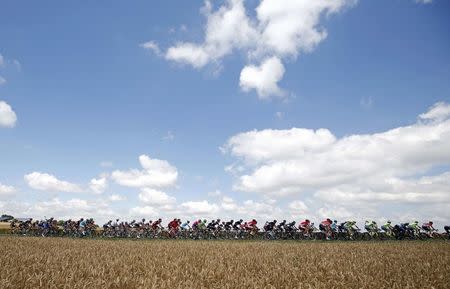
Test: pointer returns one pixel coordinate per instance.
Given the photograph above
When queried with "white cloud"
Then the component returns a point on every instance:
(335, 212)
(155, 197)
(200, 208)
(2, 80)
(47, 182)
(298, 206)
(268, 144)
(188, 53)
(264, 209)
(98, 186)
(438, 112)
(226, 29)
(428, 189)
(65, 209)
(117, 198)
(155, 174)
(215, 193)
(8, 117)
(367, 169)
(144, 212)
(424, 1)
(152, 46)
(264, 79)
(290, 27)
(228, 204)
(6, 190)
(280, 29)
(2, 60)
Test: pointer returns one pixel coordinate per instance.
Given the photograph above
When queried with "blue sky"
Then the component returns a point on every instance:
(89, 99)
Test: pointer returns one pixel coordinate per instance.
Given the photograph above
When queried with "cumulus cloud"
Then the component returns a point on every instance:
(6, 191)
(117, 198)
(264, 209)
(438, 112)
(65, 209)
(144, 212)
(155, 173)
(152, 46)
(200, 208)
(280, 29)
(98, 186)
(8, 117)
(47, 182)
(226, 29)
(264, 79)
(155, 197)
(265, 145)
(298, 207)
(394, 166)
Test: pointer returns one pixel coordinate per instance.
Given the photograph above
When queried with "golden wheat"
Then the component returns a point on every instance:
(74, 263)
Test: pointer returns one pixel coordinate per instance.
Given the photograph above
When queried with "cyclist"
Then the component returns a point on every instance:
(173, 225)
(447, 230)
(350, 227)
(156, 224)
(414, 228)
(372, 228)
(202, 225)
(237, 225)
(334, 226)
(387, 227)
(325, 227)
(280, 226)
(228, 225)
(186, 225)
(195, 224)
(251, 224)
(428, 228)
(269, 226)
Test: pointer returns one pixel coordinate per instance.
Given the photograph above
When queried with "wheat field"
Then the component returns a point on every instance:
(30, 262)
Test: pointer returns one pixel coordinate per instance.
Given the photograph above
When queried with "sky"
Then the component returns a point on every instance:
(287, 109)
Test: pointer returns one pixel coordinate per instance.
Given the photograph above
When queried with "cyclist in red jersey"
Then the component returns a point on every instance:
(304, 225)
(252, 224)
(156, 224)
(325, 226)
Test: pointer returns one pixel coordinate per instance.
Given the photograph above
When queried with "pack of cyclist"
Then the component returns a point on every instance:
(217, 229)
